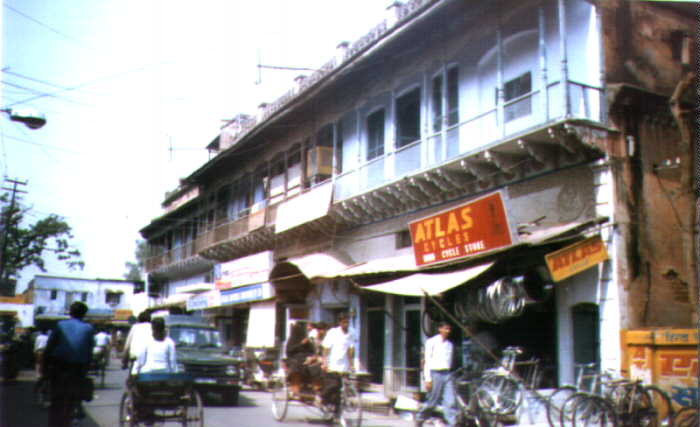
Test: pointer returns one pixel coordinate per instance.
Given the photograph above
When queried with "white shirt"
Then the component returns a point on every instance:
(40, 342)
(438, 355)
(102, 339)
(139, 336)
(156, 356)
(338, 342)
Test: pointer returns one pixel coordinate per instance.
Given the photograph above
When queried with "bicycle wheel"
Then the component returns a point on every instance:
(280, 399)
(350, 405)
(591, 410)
(499, 394)
(127, 412)
(637, 407)
(662, 405)
(555, 402)
(686, 417)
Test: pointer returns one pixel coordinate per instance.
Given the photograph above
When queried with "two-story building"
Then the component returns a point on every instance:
(453, 150)
(108, 300)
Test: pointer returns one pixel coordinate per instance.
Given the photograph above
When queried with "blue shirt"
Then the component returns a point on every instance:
(72, 341)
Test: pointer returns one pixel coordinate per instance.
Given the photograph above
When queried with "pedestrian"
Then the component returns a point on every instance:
(439, 354)
(158, 355)
(140, 334)
(69, 353)
(338, 359)
(298, 348)
(102, 346)
(39, 348)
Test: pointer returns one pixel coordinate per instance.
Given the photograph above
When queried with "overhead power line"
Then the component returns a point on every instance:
(33, 79)
(48, 27)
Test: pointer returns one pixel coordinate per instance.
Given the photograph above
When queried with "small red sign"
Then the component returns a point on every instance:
(476, 227)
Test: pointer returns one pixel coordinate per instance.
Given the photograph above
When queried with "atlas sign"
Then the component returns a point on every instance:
(575, 258)
(473, 228)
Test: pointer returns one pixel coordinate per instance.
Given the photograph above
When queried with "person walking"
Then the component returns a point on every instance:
(338, 355)
(69, 353)
(439, 354)
(140, 334)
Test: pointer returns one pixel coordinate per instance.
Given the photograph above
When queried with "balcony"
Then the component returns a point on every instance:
(248, 234)
(485, 152)
(483, 132)
(179, 260)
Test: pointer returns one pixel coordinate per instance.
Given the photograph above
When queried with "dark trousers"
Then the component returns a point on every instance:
(66, 392)
(330, 394)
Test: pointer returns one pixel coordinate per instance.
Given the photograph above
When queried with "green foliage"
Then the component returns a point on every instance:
(133, 269)
(27, 245)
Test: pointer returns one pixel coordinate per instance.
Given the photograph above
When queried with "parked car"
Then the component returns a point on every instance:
(201, 353)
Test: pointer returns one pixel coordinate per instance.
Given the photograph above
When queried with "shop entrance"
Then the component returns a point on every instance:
(376, 325)
(535, 331)
(412, 341)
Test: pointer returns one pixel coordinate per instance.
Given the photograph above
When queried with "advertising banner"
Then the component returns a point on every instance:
(256, 292)
(575, 258)
(476, 227)
(251, 269)
(204, 300)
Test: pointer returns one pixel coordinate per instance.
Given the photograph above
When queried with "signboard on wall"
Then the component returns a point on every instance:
(575, 258)
(476, 227)
(204, 300)
(256, 292)
(251, 269)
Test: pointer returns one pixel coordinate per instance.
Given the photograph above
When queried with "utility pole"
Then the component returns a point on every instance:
(6, 224)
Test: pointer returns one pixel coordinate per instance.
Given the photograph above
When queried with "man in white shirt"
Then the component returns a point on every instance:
(139, 336)
(338, 354)
(436, 370)
(101, 350)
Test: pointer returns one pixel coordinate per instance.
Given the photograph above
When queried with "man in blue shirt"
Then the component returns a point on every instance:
(69, 353)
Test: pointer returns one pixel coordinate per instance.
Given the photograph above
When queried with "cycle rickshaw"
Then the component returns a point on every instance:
(162, 397)
(347, 413)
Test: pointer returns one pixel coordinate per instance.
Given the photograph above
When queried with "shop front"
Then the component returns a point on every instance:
(544, 291)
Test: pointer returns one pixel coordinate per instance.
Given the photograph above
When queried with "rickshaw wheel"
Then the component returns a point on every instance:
(280, 399)
(127, 412)
(194, 411)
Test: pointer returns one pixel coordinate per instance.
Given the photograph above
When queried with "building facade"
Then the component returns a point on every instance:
(108, 300)
(458, 147)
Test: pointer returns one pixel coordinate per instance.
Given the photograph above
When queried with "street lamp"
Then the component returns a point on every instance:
(31, 118)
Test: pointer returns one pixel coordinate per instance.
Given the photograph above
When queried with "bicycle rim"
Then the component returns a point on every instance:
(591, 411)
(662, 405)
(499, 395)
(555, 402)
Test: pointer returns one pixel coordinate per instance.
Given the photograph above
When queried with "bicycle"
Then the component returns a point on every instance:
(584, 382)
(686, 417)
(348, 412)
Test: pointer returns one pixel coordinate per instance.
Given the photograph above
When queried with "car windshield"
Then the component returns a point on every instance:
(190, 336)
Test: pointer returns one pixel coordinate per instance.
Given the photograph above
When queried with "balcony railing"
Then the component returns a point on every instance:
(471, 135)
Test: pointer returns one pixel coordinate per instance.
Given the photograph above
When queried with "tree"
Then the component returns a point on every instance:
(133, 269)
(24, 245)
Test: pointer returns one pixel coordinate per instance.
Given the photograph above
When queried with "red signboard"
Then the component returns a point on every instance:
(476, 227)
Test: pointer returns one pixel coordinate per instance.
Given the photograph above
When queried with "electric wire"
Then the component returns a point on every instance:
(48, 27)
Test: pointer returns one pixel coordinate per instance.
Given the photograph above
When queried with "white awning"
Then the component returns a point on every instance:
(261, 325)
(321, 265)
(433, 284)
(397, 264)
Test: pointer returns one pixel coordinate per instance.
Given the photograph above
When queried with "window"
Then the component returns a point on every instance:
(222, 200)
(408, 118)
(514, 89)
(83, 296)
(113, 298)
(54, 294)
(375, 134)
(452, 96)
(452, 100)
(259, 188)
(241, 198)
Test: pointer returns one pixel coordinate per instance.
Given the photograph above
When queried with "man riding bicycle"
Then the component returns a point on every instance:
(338, 353)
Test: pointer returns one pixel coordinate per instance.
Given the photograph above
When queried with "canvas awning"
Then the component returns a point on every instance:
(321, 265)
(436, 283)
(261, 325)
(395, 264)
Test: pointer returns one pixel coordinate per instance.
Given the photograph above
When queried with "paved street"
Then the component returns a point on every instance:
(18, 408)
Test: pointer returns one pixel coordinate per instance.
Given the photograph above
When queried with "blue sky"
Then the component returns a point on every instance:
(123, 81)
